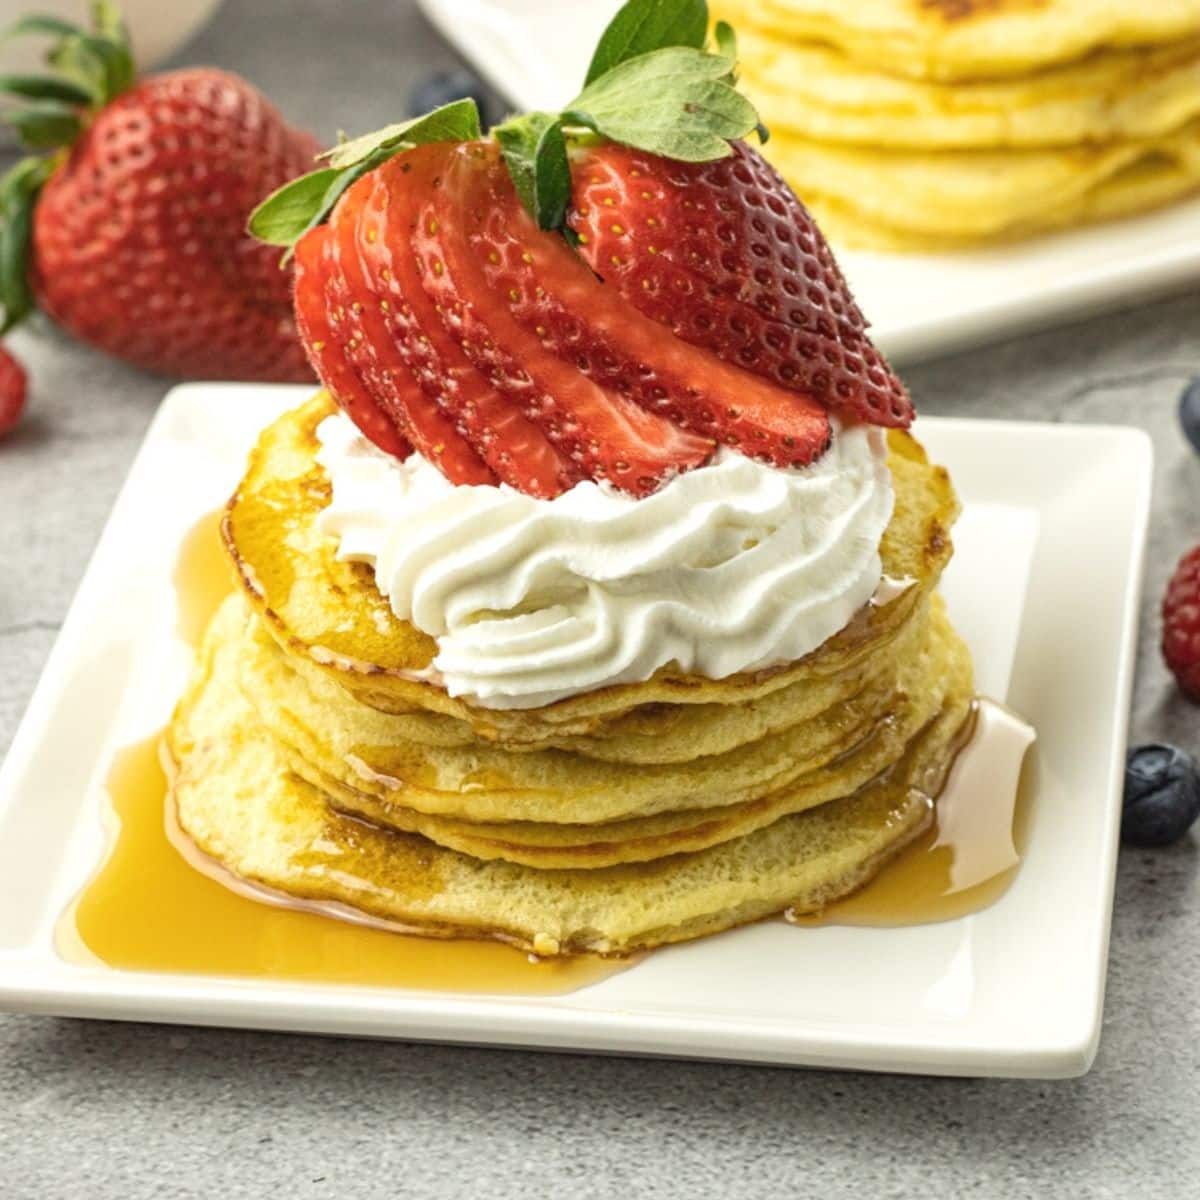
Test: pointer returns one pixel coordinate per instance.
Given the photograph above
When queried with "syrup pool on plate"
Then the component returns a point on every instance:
(150, 908)
(970, 854)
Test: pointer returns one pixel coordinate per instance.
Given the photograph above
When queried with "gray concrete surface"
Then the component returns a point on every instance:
(106, 1110)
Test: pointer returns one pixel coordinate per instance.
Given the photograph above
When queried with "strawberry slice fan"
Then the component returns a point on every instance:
(612, 292)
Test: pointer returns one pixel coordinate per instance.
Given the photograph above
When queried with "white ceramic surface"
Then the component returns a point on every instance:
(921, 305)
(1014, 990)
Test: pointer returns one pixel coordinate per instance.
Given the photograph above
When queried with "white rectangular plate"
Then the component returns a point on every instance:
(1056, 512)
(920, 305)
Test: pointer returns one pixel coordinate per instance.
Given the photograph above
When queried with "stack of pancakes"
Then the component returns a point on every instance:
(926, 124)
(318, 755)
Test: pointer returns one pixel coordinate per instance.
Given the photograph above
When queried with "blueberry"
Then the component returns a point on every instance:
(1189, 412)
(444, 87)
(1162, 795)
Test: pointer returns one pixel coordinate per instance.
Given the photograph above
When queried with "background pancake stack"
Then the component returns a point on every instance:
(927, 124)
(318, 756)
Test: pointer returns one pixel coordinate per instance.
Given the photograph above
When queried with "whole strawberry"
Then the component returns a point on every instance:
(1181, 624)
(12, 391)
(130, 232)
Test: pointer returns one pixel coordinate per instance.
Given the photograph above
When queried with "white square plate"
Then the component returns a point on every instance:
(920, 304)
(1056, 512)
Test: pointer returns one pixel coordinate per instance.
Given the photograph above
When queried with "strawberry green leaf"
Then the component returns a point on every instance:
(101, 62)
(291, 211)
(45, 87)
(536, 156)
(642, 26)
(44, 124)
(726, 39)
(41, 25)
(455, 122)
(287, 218)
(76, 63)
(116, 63)
(109, 23)
(675, 102)
(285, 214)
(351, 175)
(18, 194)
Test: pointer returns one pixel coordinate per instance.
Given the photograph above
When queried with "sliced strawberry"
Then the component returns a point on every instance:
(551, 292)
(606, 434)
(726, 256)
(356, 320)
(325, 353)
(515, 449)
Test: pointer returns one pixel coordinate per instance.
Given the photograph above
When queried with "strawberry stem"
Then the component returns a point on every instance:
(92, 67)
(652, 84)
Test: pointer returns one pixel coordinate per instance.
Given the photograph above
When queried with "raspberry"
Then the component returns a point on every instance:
(1181, 624)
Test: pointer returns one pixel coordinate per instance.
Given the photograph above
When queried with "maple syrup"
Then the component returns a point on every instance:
(149, 908)
(969, 856)
(203, 576)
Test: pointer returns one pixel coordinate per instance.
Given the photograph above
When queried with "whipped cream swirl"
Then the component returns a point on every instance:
(731, 567)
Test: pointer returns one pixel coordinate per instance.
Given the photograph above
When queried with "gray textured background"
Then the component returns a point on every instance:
(90, 1109)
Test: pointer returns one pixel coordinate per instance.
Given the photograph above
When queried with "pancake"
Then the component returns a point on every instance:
(814, 91)
(902, 200)
(329, 613)
(937, 677)
(353, 743)
(306, 708)
(651, 734)
(564, 801)
(968, 39)
(237, 798)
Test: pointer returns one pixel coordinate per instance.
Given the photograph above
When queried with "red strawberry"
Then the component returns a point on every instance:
(725, 255)
(138, 234)
(326, 353)
(607, 435)
(12, 391)
(357, 323)
(1181, 624)
(518, 452)
(441, 296)
(550, 291)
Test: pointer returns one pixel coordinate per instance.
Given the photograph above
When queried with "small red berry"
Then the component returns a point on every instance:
(12, 391)
(1181, 624)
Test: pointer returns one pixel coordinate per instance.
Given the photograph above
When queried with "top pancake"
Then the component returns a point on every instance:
(331, 615)
(970, 39)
